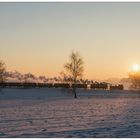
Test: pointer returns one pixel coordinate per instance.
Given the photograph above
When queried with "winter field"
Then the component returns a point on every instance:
(50, 112)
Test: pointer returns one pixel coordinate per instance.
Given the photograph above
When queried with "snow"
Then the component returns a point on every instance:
(50, 112)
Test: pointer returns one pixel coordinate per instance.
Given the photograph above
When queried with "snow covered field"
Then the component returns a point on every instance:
(54, 113)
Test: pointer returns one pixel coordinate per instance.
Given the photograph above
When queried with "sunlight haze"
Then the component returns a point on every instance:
(39, 37)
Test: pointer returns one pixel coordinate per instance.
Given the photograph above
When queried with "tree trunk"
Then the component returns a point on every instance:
(0, 88)
(74, 90)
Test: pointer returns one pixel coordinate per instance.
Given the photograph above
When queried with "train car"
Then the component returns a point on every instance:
(79, 85)
(103, 86)
(61, 85)
(116, 87)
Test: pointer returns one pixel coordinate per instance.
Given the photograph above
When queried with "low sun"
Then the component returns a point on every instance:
(136, 68)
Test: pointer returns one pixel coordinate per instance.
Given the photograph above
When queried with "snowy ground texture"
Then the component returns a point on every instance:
(54, 113)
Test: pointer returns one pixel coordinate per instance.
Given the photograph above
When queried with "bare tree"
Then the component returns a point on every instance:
(135, 79)
(75, 69)
(2, 73)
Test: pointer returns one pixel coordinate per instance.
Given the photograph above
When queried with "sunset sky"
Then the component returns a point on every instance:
(39, 37)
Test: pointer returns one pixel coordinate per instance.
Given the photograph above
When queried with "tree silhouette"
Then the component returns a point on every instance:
(135, 79)
(2, 73)
(75, 69)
